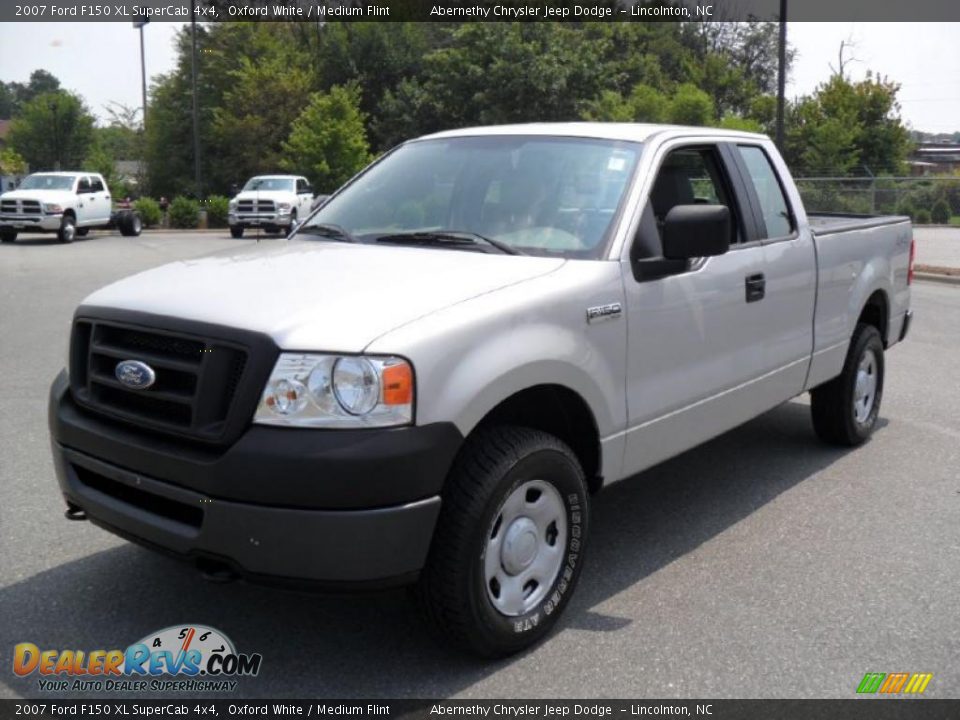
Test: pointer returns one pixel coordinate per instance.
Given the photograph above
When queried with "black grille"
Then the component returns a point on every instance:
(9, 206)
(196, 384)
(30, 206)
(248, 206)
(165, 507)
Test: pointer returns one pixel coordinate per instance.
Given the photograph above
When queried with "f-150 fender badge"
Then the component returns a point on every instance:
(601, 312)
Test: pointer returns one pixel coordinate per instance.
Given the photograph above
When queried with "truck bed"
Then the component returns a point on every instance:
(829, 223)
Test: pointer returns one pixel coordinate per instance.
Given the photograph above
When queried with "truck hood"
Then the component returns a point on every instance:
(49, 196)
(275, 195)
(316, 294)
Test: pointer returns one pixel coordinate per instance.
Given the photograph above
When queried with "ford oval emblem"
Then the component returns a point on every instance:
(135, 375)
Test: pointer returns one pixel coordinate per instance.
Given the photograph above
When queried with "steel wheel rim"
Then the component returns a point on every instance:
(865, 387)
(68, 230)
(524, 548)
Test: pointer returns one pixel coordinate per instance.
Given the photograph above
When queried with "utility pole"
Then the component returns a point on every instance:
(781, 73)
(143, 69)
(196, 117)
(56, 135)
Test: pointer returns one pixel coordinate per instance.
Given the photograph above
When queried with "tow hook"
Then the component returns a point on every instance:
(215, 572)
(74, 512)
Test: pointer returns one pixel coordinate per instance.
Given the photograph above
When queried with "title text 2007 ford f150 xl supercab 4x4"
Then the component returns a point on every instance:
(428, 380)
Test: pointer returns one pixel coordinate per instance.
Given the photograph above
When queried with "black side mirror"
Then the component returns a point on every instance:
(693, 231)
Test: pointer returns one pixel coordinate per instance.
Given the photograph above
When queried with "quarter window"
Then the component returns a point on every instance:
(773, 203)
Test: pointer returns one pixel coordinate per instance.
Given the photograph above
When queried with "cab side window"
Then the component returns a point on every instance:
(83, 186)
(301, 185)
(688, 176)
(773, 202)
(96, 184)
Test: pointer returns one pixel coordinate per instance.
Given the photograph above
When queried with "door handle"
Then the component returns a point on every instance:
(756, 287)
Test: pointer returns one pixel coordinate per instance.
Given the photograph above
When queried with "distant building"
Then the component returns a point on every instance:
(934, 158)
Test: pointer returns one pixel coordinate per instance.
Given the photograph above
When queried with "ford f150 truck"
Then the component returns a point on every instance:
(271, 202)
(69, 204)
(428, 381)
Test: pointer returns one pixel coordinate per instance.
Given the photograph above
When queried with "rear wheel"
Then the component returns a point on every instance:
(845, 410)
(130, 225)
(7, 235)
(236, 232)
(68, 229)
(508, 547)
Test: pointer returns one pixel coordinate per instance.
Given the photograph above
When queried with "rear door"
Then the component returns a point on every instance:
(695, 337)
(789, 270)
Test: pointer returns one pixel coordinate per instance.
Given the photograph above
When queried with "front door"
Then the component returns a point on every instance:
(695, 343)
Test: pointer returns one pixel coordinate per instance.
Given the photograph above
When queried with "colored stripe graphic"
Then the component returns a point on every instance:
(894, 683)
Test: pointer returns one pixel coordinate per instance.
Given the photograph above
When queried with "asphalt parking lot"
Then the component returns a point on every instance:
(761, 564)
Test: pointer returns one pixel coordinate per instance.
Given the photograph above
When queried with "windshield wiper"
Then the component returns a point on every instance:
(453, 237)
(328, 230)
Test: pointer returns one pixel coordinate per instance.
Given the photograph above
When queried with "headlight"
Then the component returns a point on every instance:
(284, 207)
(332, 391)
(52, 208)
(233, 204)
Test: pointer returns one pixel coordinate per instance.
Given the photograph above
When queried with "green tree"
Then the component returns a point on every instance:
(11, 163)
(327, 141)
(53, 130)
(690, 106)
(250, 126)
(845, 127)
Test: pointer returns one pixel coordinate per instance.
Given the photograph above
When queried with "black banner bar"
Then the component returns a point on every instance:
(855, 709)
(477, 11)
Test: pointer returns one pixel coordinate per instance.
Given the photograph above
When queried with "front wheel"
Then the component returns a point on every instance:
(8, 236)
(68, 229)
(293, 223)
(509, 542)
(236, 232)
(845, 410)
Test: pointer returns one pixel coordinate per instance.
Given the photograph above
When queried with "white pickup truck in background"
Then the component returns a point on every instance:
(274, 203)
(69, 204)
(430, 378)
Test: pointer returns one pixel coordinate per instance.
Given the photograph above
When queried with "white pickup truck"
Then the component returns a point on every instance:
(70, 204)
(429, 380)
(271, 202)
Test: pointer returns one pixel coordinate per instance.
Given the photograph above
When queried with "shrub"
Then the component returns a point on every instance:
(217, 208)
(940, 213)
(184, 213)
(922, 217)
(905, 208)
(149, 210)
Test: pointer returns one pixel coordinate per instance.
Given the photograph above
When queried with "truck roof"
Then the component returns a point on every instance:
(64, 172)
(634, 132)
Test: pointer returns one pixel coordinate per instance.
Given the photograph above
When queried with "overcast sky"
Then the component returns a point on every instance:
(101, 61)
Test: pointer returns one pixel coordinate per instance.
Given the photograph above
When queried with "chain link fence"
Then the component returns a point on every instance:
(925, 199)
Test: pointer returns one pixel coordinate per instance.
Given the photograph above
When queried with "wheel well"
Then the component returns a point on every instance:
(71, 213)
(876, 313)
(561, 412)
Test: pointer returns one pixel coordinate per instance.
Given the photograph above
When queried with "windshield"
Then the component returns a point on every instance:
(48, 182)
(267, 183)
(539, 195)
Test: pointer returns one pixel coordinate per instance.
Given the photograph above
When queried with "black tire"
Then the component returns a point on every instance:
(452, 589)
(293, 223)
(835, 416)
(68, 229)
(8, 236)
(236, 232)
(83, 232)
(130, 225)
